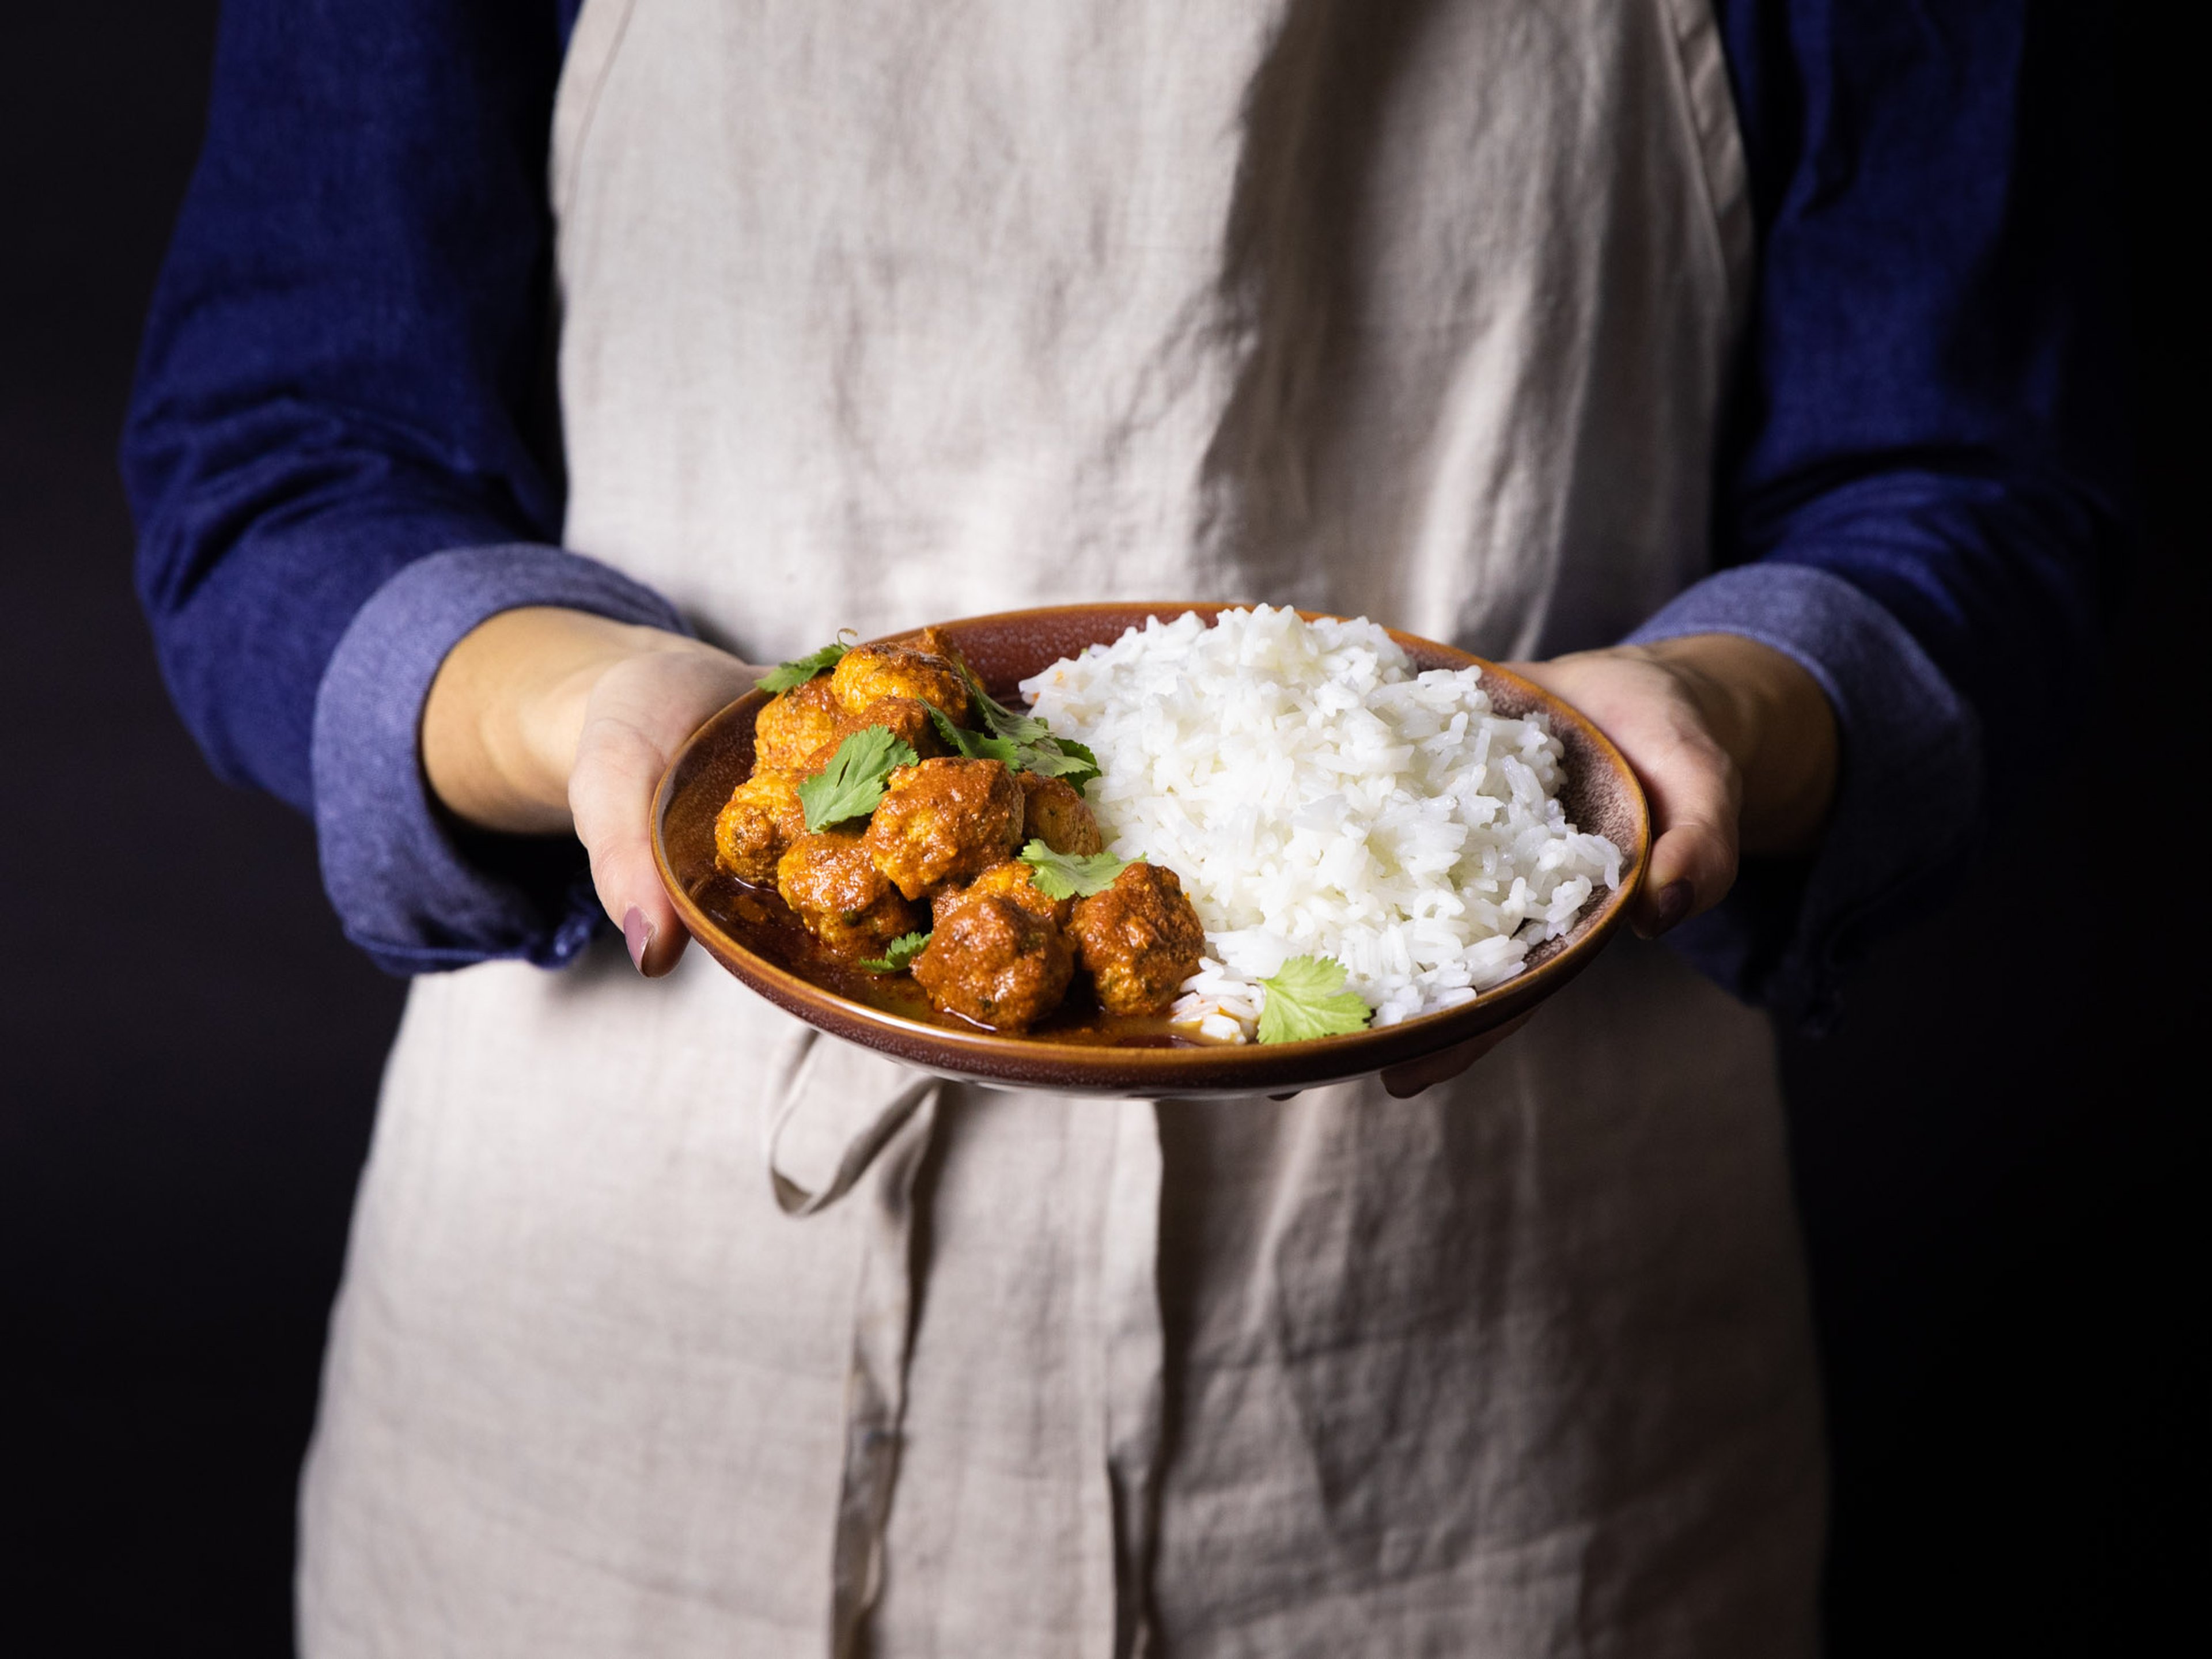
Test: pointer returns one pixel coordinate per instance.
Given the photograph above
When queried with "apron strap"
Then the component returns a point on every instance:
(794, 1199)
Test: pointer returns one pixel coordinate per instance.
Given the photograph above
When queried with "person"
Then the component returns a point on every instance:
(522, 373)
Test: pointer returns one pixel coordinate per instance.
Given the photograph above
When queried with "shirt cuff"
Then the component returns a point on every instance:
(1908, 797)
(414, 889)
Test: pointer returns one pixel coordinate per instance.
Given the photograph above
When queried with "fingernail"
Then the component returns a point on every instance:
(637, 933)
(1671, 906)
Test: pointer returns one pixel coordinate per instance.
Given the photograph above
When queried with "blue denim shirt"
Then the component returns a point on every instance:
(342, 447)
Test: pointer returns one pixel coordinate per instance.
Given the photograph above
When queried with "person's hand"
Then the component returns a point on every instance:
(1735, 746)
(1733, 743)
(544, 721)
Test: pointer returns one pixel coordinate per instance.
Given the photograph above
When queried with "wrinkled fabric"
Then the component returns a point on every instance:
(874, 315)
(1416, 309)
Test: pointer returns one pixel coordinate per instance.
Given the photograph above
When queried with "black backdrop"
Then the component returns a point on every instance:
(1995, 1170)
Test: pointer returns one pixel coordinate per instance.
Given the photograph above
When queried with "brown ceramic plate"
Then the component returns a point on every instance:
(748, 931)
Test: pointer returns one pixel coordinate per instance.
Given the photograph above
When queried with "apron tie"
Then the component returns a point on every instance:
(860, 1150)
(847, 1110)
(875, 1392)
(1130, 1354)
(842, 1105)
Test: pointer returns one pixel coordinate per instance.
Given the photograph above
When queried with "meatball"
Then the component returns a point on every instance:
(1139, 940)
(992, 961)
(1014, 881)
(898, 670)
(763, 818)
(1056, 814)
(945, 820)
(792, 726)
(843, 899)
(902, 717)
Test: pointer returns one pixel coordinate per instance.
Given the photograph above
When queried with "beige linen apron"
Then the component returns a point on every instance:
(880, 312)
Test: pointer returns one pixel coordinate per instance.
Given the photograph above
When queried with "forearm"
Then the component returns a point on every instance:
(342, 365)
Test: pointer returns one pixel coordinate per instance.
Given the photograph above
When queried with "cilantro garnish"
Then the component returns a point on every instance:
(852, 783)
(899, 952)
(1071, 875)
(1307, 998)
(974, 746)
(1063, 758)
(1035, 748)
(800, 669)
(1021, 728)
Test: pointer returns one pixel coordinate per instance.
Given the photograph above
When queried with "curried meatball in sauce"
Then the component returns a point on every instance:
(1139, 940)
(1056, 813)
(763, 818)
(1014, 881)
(834, 886)
(945, 820)
(793, 725)
(994, 961)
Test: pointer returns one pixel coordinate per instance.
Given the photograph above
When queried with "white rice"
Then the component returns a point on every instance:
(1318, 797)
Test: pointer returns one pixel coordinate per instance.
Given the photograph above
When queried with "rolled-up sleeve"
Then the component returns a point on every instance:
(1925, 498)
(342, 447)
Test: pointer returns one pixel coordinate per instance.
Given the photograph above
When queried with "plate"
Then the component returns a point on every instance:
(751, 933)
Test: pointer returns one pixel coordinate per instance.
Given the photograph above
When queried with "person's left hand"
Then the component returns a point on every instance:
(1735, 746)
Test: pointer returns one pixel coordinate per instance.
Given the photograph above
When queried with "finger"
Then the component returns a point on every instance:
(1404, 1082)
(611, 795)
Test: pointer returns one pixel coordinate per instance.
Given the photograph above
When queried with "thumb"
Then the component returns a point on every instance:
(637, 718)
(611, 795)
(1694, 796)
(1695, 790)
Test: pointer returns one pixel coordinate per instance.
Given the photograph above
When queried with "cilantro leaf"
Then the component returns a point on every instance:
(899, 952)
(1071, 875)
(800, 669)
(971, 745)
(853, 782)
(1061, 758)
(1307, 998)
(1027, 742)
(1000, 719)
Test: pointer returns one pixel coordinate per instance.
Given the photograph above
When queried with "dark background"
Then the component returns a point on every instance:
(1990, 1155)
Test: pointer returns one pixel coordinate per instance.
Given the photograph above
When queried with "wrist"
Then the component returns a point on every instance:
(501, 724)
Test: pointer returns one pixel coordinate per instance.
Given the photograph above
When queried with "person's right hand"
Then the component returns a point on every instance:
(544, 721)
(1737, 747)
